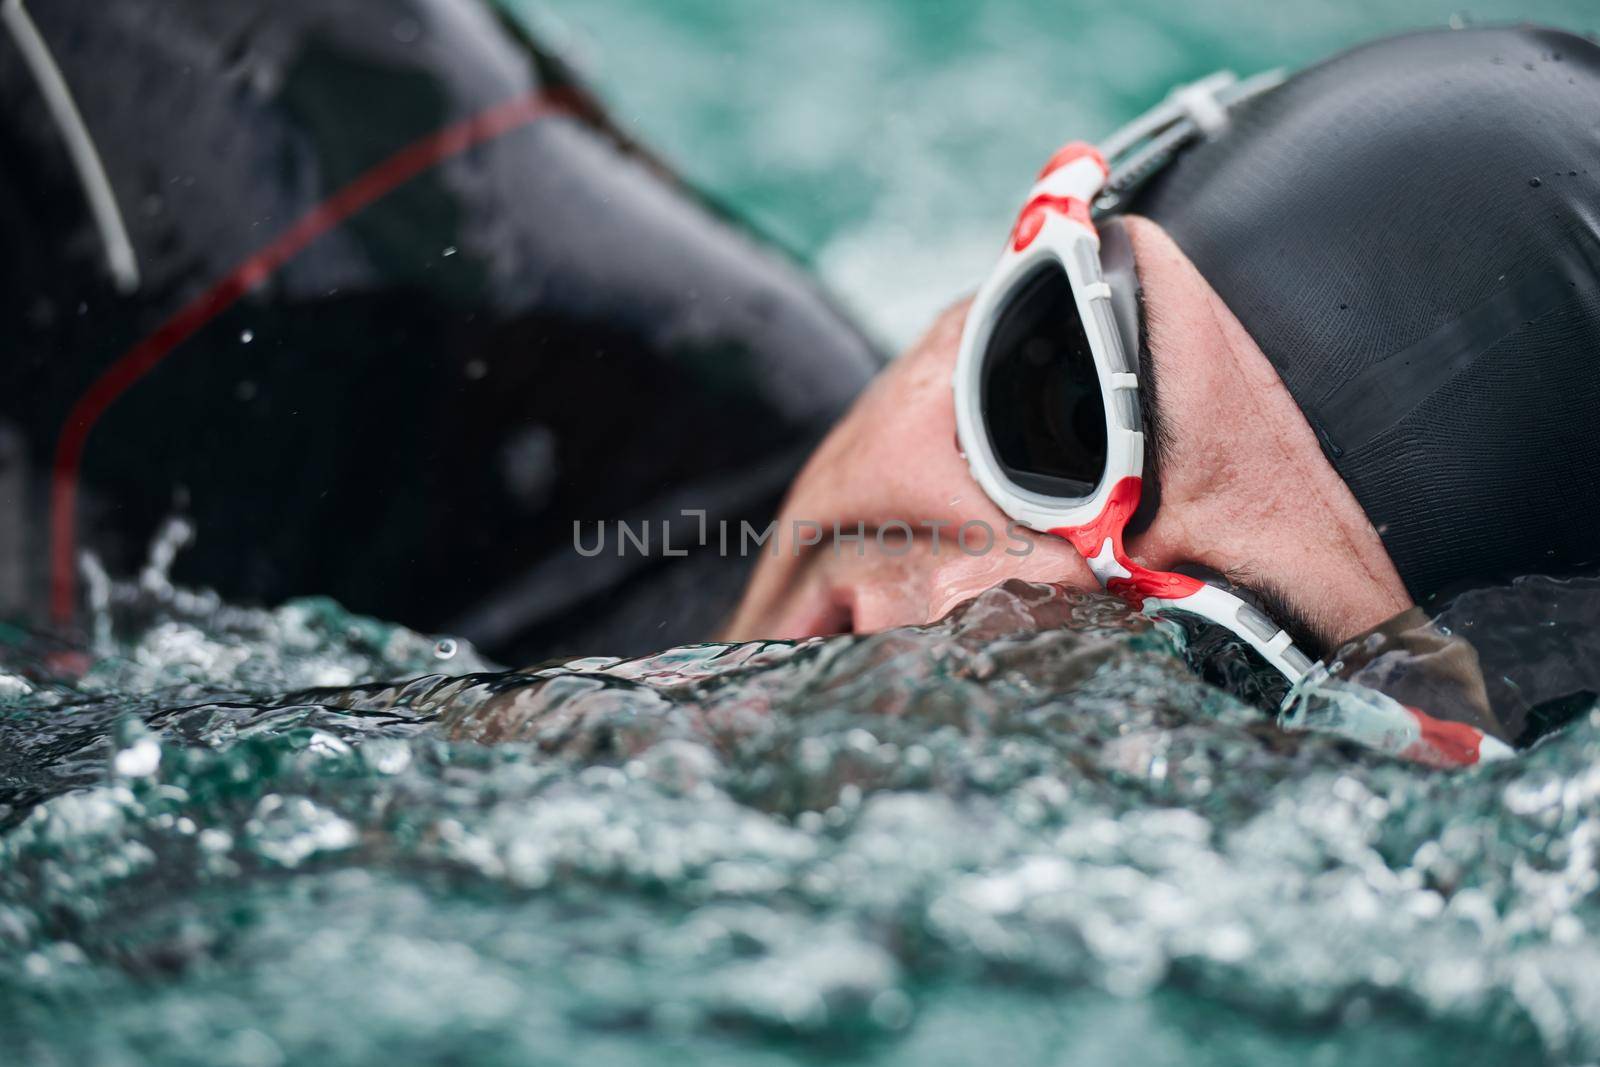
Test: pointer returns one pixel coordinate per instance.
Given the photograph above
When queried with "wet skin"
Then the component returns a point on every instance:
(1244, 489)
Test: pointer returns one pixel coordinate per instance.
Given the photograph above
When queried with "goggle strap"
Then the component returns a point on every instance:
(1189, 113)
(1170, 111)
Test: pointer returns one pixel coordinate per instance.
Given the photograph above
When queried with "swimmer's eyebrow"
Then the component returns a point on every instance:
(1157, 442)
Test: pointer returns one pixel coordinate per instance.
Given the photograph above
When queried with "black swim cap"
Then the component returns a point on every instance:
(1411, 232)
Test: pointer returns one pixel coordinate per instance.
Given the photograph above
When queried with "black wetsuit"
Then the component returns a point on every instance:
(375, 360)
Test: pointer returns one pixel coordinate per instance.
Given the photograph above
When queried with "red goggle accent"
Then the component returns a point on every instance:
(1031, 220)
(1071, 152)
(1443, 743)
(1142, 582)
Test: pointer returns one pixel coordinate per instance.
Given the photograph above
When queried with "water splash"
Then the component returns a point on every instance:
(1026, 829)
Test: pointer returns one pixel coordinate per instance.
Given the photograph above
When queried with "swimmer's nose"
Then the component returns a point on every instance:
(1048, 559)
(909, 471)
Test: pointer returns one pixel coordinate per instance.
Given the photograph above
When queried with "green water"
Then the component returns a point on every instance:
(890, 141)
(1027, 834)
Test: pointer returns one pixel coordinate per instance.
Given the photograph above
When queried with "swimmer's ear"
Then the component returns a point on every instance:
(1422, 664)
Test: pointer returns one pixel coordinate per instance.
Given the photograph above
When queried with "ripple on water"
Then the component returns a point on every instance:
(1024, 832)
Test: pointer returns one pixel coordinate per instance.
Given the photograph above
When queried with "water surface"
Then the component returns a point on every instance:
(1028, 833)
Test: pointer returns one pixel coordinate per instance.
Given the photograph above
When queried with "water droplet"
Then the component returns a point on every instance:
(138, 760)
(1535, 182)
(444, 648)
(214, 840)
(246, 336)
(449, 250)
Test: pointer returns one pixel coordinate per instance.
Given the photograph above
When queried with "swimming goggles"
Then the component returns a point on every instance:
(1046, 384)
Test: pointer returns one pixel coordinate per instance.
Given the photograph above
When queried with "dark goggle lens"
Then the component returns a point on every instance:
(1041, 392)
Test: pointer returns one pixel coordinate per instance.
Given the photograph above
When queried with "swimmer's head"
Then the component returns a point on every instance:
(1371, 308)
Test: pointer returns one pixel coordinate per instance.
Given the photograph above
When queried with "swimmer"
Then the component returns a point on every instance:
(1292, 357)
(376, 295)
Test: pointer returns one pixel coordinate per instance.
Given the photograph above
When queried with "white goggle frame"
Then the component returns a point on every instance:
(1056, 229)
